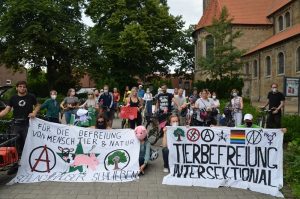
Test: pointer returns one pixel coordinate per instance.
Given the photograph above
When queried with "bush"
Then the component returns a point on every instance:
(222, 87)
(292, 166)
(292, 123)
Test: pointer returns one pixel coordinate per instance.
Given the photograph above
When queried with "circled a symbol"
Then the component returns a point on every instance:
(193, 135)
(207, 135)
(253, 137)
(42, 159)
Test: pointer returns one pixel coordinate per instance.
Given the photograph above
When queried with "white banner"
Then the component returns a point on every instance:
(233, 157)
(56, 152)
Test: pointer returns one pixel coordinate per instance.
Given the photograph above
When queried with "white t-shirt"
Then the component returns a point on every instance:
(202, 105)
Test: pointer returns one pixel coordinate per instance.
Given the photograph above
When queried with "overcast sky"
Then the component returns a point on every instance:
(190, 10)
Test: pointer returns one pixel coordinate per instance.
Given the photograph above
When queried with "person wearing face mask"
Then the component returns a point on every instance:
(216, 104)
(52, 107)
(276, 102)
(101, 122)
(106, 102)
(173, 121)
(148, 99)
(248, 122)
(237, 107)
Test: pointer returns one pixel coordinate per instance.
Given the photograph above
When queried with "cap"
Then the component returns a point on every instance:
(248, 116)
(90, 92)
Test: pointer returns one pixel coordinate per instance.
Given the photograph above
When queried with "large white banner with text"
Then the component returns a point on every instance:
(234, 157)
(57, 152)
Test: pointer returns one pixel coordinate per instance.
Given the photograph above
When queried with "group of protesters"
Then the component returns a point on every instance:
(102, 107)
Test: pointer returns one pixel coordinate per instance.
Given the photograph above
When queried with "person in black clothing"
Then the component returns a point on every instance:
(134, 101)
(106, 102)
(276, 102)
(22, 105)
(164, 101)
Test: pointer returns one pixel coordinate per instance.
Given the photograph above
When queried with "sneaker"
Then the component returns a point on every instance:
(166, 170)
(13, 169)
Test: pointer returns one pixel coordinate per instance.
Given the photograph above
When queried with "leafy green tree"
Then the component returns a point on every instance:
(131, 38)
(43, 33)
(116, 158)
(185, 58)
(179, 133)
(222, 58)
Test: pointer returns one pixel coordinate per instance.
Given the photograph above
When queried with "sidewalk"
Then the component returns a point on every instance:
(148, 186)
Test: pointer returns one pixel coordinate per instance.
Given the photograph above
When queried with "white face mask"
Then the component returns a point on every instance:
(234, 94)
(53, 97)
(175, 124)
(214, 97)
(105, 90)
(274, 90)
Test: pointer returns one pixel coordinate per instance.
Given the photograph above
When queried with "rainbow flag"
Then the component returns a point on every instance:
(237, 137)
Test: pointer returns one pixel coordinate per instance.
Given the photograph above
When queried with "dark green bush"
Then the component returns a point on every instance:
(292, 123)
(292, 166)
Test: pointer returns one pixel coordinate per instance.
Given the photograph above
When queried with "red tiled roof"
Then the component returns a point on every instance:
(276, 5)
(286, 34)
(242, 11)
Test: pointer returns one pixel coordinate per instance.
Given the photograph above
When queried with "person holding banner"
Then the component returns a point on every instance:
(134, 101)
(173, 121)
(24, 106)
(52, 107)
(144, 157)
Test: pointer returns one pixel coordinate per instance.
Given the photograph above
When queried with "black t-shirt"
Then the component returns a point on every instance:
(22, 105)
(165, 101)
(275, 99)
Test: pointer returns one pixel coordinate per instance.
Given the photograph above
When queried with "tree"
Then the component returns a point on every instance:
(222, 57)
(43, 33)
(178, 133)
(185, 54)
(131, 38)
(116, 158)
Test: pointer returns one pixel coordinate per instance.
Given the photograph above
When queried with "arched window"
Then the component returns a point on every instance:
(287, 17)
(209, 46)
(280, 61)
(255, 68)
(268, 66)
(298, 59)
(247, 69)
(280, 23)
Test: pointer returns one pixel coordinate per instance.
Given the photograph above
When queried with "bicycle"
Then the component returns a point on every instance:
(263, 117)
(8, 146)
(155, 126)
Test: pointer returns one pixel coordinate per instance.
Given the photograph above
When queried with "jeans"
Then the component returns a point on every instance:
(238, 116)
(68, 114)
(149, 108)
(165, 153)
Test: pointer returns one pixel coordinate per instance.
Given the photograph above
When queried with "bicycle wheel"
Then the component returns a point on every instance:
(152, 133)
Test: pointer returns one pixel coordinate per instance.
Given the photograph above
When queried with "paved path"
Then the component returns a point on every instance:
(148, 186)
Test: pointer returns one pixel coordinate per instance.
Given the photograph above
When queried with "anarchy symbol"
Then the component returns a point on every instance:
(254, 137)
(207, 135)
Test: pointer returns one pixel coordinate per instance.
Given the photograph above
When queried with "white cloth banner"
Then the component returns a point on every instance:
(234, 157)
(57, 152)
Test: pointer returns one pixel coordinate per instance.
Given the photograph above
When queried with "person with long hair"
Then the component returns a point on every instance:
(134, 101)
(69, 104)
